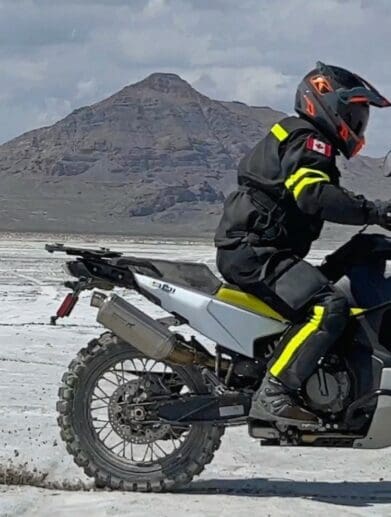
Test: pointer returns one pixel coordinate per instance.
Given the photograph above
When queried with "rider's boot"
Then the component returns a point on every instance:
(275, 402)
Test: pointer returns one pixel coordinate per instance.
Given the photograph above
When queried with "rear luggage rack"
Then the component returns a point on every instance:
(102, 254)
(82, 252)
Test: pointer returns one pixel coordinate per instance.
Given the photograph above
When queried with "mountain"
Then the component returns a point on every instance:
(156, 158)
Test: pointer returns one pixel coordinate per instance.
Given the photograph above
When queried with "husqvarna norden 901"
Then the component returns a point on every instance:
(143, 408)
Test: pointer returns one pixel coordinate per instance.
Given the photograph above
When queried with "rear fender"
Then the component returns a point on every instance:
(101, 271)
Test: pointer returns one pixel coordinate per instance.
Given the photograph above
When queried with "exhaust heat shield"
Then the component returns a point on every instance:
(149, 336)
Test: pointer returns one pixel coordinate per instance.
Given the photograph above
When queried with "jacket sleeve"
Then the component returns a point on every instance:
(313, 179)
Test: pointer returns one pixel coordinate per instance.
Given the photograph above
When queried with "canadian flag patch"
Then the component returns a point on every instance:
(313, 144)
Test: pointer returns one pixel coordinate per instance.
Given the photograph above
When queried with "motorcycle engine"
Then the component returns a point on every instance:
(327, 390)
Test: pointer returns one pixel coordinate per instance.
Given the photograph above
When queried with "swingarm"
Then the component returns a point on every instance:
(231, 407)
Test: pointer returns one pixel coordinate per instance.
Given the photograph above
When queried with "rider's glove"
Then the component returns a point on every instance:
(381, 214)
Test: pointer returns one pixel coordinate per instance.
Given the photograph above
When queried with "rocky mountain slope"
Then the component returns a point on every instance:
(156, 158)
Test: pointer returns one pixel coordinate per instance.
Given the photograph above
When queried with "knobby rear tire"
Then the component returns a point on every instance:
(177, 471)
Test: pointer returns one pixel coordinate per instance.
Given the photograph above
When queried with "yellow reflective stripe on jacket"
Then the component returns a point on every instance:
(305, 183)
(355, 311)
(279, 132)
(247, 301)
(304, 177)
(304, 171)
(298, 339)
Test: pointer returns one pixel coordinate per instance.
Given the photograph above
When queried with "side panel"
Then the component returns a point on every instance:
(379, 434)
(230, 326)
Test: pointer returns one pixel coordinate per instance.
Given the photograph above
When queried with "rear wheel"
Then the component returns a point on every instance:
(106, 415)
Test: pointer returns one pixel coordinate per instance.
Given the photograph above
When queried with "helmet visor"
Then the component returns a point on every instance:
(356, 117)
(363, 95)
(353, 87)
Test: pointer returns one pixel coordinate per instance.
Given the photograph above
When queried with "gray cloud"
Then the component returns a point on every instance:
(56, 56)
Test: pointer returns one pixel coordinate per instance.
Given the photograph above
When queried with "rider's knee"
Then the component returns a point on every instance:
(336, 314)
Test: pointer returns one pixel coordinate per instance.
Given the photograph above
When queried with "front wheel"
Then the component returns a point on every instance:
(105, 405)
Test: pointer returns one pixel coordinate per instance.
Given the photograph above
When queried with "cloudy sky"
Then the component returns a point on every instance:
(56, 55)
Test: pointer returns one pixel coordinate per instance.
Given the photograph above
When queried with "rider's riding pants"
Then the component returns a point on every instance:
(300, 293)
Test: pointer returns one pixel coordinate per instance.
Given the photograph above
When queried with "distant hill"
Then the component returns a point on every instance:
(156, 158)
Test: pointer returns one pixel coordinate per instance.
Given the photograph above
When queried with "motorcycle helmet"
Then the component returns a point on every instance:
(337, 102)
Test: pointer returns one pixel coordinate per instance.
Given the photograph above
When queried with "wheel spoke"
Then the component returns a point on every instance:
(103, 428)
(116, 445)
(153, 364)
(115, 373)
(96, 419)
(96, 398)
(108, 380)
(99, 407)
(173, 437)
(106, 395)
(150, 446)
(107, 435)
(145, 454)
(123, 371)
(158, 446)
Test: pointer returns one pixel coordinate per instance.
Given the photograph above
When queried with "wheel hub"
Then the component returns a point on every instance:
(127, 414)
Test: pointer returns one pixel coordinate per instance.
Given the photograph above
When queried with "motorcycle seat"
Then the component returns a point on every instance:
(193, 275)
(198, 276)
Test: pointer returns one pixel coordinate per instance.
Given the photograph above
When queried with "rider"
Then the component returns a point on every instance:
(289, 185)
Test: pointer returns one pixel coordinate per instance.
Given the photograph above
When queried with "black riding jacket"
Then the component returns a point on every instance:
(288, 186)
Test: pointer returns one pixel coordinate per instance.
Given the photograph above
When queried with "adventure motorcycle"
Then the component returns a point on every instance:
(143, 408)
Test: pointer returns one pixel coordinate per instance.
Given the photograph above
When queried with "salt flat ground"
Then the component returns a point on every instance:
(244, 478)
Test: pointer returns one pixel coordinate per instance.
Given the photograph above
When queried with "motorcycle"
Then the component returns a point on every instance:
(144, 408)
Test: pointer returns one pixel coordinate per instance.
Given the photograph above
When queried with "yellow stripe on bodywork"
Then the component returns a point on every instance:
(247, 301)
(298, 339)
(279, 132)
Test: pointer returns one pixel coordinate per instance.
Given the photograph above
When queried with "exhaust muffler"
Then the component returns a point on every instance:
(141, 331)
